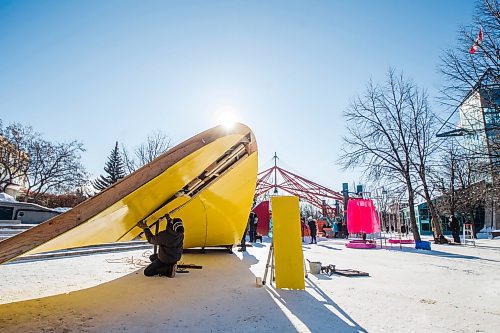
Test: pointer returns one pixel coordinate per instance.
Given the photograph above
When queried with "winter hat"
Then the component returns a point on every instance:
(177, 225)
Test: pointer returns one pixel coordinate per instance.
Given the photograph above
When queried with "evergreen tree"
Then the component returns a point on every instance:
(114, 170)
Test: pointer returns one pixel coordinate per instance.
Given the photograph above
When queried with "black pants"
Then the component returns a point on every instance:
(456, 236)
(158, 268)
(253, 231)
(313, 236)
(244, 241)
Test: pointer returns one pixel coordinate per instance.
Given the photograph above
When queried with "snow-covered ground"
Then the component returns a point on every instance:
(449, 289)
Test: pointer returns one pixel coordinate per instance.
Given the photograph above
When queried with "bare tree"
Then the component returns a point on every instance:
(379, 139)
(463, 188)
(463, 70)
(43, 166)
(426, 148)
(308, 210)
(450, 163)
(156, 144)
(14, 160)
(129, 160)
(54, 167)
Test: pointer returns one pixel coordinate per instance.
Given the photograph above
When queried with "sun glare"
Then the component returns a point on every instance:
(227, 119)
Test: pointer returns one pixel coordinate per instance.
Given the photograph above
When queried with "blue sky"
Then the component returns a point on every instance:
(101, 71)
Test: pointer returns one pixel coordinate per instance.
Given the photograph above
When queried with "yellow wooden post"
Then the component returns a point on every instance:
(287, 240)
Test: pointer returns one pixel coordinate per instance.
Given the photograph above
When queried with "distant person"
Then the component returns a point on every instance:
(312, 228)
(302, 227)
(455, 228)
(250, 229)
(403, 229)
(335, 228)
(387, 228)
(442, 240)
(243, 244)
(170, 243)
(392, 227)
(252, 226)
(345, 231)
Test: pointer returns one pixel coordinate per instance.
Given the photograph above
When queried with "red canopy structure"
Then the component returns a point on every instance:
(362, 217)
(275, 178)
(263, 215)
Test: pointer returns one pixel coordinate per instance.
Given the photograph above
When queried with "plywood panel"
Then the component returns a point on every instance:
(287, 243)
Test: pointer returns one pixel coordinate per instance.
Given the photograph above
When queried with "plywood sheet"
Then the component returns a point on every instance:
(287, 243)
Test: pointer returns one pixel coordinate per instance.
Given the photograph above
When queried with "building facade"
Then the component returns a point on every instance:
(423, 217)
(480, 122)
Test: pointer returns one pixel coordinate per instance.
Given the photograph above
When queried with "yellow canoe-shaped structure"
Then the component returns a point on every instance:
(208, 181)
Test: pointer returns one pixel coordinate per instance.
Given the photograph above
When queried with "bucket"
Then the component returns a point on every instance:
(314, 267)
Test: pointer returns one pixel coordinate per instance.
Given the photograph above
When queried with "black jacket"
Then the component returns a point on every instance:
(169, 244)
(251, 218)
(312, 225)
(454, 224)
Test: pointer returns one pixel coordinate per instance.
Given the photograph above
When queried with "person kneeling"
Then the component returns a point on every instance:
(170, 243)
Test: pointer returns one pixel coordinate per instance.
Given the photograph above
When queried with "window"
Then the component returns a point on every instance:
(426, 226)
(6, 213)
(423, 212)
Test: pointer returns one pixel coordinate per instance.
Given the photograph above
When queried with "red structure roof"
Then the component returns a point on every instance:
(276, 178)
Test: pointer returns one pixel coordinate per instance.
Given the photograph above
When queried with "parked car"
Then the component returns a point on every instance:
(25, 212)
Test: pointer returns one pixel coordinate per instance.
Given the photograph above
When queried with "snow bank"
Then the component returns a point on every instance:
(7, 198)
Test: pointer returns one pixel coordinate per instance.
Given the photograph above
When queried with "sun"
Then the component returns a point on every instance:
(227, 118)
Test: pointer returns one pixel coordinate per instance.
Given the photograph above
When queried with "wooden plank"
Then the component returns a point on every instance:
(350, 272)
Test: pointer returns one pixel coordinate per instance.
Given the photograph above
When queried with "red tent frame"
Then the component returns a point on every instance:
(301, 187)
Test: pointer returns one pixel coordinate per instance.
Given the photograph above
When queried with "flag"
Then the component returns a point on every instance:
(477, 42)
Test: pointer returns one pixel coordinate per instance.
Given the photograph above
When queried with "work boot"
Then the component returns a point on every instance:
(172, 273)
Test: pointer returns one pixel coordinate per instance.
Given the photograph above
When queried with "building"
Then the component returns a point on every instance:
(480, 129)
(480, 118)
(423, 217)
(480, 122)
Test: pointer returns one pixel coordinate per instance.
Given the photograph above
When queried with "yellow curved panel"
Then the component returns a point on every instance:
(209, 181)
(224, 206)
(228, 203)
